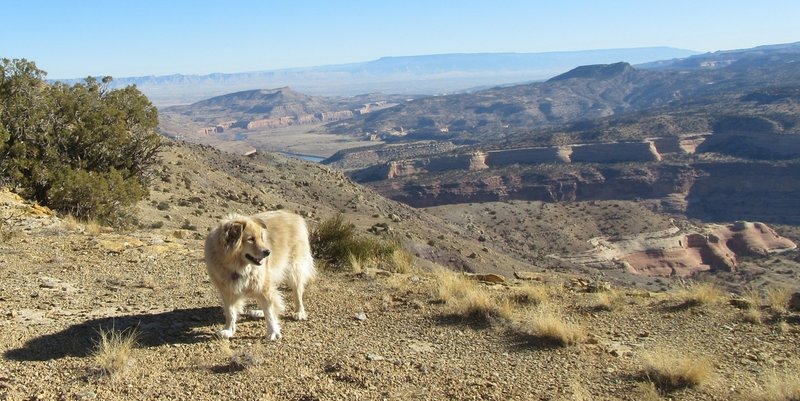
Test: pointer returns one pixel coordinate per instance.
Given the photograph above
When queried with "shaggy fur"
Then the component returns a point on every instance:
(251, 256)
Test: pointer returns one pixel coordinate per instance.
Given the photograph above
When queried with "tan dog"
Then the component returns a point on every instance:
(251, 256)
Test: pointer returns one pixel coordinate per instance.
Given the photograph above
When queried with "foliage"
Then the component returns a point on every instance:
(335, 242)
(53, 134)
(108, 197)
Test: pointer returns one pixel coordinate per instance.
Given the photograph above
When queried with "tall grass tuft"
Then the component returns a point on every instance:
(548, 326)
(779, 386)
(699, 294)
(778, 297)
(670, 371)
(467, 298)
(112, 353)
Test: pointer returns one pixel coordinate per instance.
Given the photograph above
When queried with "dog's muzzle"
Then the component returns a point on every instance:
(256, 260)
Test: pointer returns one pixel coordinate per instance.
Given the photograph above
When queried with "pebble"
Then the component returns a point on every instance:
(361, 316)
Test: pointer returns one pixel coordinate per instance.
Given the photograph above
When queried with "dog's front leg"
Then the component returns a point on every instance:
(231, 309)
(271, 303)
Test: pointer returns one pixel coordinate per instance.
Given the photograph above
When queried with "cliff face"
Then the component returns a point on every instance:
(585, 183)
(758, 191)
(763, 185)
(721, 191)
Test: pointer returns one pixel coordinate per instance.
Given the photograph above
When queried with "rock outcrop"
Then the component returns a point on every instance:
(674, 253)
(545, 184)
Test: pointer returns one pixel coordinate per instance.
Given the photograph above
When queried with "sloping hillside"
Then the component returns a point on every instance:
(371, 335)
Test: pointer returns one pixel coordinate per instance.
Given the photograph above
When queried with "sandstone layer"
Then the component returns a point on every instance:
(680, 253)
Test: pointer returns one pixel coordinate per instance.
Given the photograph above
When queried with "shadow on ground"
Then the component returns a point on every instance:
(174, 327)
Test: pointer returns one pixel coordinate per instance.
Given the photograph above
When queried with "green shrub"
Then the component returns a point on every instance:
(105, 197)
(82, 149)
(335, 243)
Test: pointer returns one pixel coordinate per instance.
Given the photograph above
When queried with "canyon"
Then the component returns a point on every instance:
(709, 176)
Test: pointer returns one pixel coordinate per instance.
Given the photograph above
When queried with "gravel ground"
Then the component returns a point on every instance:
(370, 336)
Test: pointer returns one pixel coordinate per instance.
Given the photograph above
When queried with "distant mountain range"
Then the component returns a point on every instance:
(428, 74)
(762, 81)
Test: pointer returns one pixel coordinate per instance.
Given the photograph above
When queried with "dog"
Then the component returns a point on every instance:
(251, 256)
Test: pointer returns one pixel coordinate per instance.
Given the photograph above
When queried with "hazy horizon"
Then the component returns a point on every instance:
(151, 38)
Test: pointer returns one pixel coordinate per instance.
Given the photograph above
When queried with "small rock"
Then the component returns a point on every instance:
(332, 366)
(527, 276)
(794, 302)
(85, 395)
(740, 303)
(489, 277)
(361, 316)
(421, 347)
(617, 349)
(48, 282)
(375, 357)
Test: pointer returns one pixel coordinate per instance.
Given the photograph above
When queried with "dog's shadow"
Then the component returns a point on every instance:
(174, 327)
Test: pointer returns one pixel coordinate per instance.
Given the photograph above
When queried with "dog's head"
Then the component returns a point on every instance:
(246, 237)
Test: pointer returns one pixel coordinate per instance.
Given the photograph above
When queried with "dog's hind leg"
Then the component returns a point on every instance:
(301, 272)
(271, 303)
(298, 288)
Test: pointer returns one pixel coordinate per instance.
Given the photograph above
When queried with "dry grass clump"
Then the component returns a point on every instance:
(71, 223)
(753, 315)
(647, 391)
(401, 261)
(778, 298)
(609, 300)
(699, 294)
(549, 326)
(529, 294)
(93, 228)
(752, 297)
(751, 303)
(112, 353)
(465, 297)
(779, 386)
(671, 371)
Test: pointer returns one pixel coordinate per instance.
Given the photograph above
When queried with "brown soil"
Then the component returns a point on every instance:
(370, 336)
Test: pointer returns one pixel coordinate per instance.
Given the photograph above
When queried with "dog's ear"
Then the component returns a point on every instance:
(261, 222)
(232, 233)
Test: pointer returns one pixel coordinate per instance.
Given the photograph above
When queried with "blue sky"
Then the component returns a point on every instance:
(122, 38)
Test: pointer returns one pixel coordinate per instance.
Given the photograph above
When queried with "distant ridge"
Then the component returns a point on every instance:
(424, 74)
(600, 71)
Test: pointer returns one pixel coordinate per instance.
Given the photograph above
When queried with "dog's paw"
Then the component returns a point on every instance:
(276, 335)
(225, 334)
(255, 314)
(302, 315)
